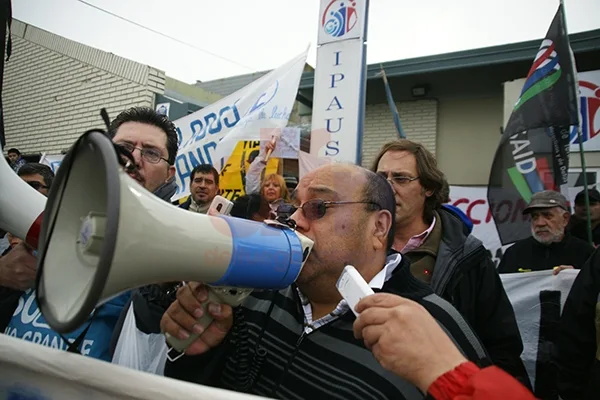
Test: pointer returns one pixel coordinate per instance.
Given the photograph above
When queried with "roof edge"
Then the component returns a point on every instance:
(512, 52)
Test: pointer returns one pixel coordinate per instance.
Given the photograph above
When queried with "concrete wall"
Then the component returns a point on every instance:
(54, 89)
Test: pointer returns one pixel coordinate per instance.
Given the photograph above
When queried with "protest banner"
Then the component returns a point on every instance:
(538, 299)
(53, 161)
(34, 372)
(233, 176)
(210, 135)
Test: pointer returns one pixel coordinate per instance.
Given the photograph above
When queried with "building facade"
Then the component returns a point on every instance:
(54, 89)
(454, 103)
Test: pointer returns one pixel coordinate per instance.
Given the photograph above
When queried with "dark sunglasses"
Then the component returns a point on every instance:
(316, 208)
(36, 185)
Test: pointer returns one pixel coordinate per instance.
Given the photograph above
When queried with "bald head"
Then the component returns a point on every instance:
(352, 183)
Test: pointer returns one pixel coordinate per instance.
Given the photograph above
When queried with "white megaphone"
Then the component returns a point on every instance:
(104, 234)
(21, 206)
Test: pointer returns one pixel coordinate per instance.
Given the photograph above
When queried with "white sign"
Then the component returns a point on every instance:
(589, 91)
(340, 81)
(34, 372)
(208, 136)
(288, 144)
(538, 299)
(52, 161)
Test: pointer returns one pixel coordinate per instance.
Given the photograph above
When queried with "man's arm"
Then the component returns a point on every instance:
(576, 349)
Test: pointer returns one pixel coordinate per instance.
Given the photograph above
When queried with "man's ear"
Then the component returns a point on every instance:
(381, 228)
(170, 173)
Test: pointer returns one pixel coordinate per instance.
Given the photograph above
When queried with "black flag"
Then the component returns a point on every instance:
(5, 21)
(533, 154)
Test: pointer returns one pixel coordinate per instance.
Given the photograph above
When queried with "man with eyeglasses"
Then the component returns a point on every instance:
(445, 254)
(298, 343)
(151, 138)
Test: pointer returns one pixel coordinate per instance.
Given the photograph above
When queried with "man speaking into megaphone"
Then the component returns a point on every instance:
(298, 342)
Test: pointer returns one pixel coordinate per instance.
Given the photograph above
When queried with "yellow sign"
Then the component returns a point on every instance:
(233, 175)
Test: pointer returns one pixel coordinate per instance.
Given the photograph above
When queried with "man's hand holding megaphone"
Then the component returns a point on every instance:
(18, 268)
(181, 319)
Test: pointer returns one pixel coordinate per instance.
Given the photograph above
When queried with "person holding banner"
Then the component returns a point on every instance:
(445, 254)
(549, 246)
(273, 187)
(578, 355)
(578, 223)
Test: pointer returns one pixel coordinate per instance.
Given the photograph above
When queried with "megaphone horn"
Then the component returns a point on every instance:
(103, 234)
(21, 206)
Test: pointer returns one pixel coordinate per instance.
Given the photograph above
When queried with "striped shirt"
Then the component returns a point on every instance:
(269, 353)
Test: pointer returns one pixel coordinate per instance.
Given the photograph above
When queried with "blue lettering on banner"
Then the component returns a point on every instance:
(257, 104)
(179, 135)
(337, 77)
(334, 147)
(337, 58)
(228, 116)
(335, 101)
(329, 125)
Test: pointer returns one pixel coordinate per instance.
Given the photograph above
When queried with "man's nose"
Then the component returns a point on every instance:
(137, 156)
(300, 219)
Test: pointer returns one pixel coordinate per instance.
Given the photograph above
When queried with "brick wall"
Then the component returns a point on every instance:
(54, 89)
(419, 122)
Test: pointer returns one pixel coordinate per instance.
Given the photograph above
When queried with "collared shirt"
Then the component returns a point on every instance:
(416, 241)
(376, 283)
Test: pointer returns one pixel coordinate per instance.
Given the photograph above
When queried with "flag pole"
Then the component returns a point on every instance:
(578, 128)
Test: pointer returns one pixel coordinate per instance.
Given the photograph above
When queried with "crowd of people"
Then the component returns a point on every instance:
(440, 323)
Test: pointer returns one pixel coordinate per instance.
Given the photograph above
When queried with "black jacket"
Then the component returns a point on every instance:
(578, 355)
(465, 276)
(269, 353)
(529, 254)
(578, 228)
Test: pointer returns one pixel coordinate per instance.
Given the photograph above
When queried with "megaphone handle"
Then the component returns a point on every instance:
(182, 344)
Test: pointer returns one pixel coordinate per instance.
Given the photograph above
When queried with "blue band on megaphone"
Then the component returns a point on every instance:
(275, 266)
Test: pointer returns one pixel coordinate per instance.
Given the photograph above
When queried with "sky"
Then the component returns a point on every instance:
(217, 39)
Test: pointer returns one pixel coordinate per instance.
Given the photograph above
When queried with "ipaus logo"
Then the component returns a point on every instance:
(590, 112)
(340, 17)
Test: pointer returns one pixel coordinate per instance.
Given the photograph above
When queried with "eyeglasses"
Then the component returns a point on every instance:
(37, 185)
(153, 156)
(397, 179)
(316, 208)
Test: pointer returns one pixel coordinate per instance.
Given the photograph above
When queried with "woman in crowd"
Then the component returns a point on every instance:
(273, 187)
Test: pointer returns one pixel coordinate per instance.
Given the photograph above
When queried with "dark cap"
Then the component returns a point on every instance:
(593, 195)
(547, 199)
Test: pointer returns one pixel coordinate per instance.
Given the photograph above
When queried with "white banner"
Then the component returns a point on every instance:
(537, 299)
(340, 80)
(208, 136)
(34, 372)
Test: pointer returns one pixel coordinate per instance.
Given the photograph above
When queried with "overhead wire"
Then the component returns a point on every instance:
(167, 36)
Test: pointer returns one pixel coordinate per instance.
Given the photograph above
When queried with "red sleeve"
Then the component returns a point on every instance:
(468, 382)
